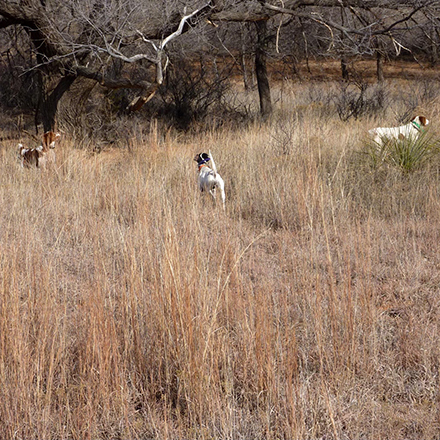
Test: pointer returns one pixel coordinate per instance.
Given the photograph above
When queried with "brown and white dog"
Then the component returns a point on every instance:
(208, 178)
(39, 157)
(381, 135)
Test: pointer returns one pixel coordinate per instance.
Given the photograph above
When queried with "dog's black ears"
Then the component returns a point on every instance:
(202, 157)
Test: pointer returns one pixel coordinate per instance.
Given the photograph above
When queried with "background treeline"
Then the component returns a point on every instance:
(91, 65)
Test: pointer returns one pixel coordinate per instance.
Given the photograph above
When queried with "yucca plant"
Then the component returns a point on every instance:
(408, 154)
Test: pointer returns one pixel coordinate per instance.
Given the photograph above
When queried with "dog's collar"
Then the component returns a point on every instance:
(202, 163)
(416, 125)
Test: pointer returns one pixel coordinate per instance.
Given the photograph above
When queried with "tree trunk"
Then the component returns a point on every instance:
(344, 69)
(379, 67)
(261, 70)
(48, 102)
(344, 64)
(434, 53)
(246, 81)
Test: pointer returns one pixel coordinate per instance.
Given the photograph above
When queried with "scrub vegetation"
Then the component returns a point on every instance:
(133, 307)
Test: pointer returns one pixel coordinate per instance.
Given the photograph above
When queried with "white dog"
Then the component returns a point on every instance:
(381, 135)
(208, 178)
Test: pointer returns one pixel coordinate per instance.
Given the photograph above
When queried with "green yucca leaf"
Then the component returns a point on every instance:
(407, 154)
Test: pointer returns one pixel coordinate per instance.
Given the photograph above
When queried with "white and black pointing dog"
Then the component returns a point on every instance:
(382, 135)
(208, 178)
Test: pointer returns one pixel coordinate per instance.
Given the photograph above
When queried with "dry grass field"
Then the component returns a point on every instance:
(131, 307)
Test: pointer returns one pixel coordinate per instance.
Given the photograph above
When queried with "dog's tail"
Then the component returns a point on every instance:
(213, 167)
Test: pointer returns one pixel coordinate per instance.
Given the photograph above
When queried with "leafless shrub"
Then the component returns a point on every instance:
(422, 95)
(284, 136)
(198, 93)
(356, 100)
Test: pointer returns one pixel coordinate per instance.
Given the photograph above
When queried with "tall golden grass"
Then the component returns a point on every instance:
(132, 307)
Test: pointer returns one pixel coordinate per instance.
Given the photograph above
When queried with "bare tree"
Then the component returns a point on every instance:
(82, 38)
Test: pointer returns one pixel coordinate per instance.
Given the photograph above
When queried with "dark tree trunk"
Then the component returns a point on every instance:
(344, 64)
(48, 102)
(243, 34)
(434, 52)
(344, 69)
(379, 67)
(261, 70)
